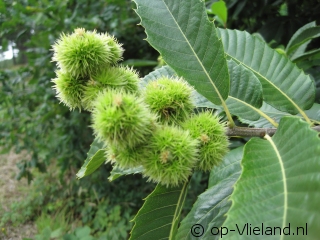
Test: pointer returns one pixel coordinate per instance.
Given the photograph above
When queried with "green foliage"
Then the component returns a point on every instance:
(220, 10)
(177, 40)
(50, 228)
(127, 126)
(159, 216)
(302, 38)
(256, 80)
(281, 186)
(313, 113)
(271, 180)
(287, 17)
(118, 172)
(81, 233)
(245, 97)
(284, 85)
(212, 205)
(94, 159)
(32, 119)
(257, 73)
(69, 203)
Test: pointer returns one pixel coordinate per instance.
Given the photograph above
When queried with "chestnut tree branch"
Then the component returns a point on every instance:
(255, 132)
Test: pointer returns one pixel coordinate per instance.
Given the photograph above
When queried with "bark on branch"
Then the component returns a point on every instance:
(255, 132)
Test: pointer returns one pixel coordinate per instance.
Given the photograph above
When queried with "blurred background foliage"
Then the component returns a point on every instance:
(57, 140)
(275, 20)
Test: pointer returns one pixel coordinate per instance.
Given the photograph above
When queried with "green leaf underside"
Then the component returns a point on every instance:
(212, 205)
(245, 93)
(275, 114)
(201, 102)
(299, 51)
(301, 36)
(279, 183)
(95, 158)
(313, 54)
(285, 86)
(188, 42)
(159, 216)
(313, 113)
(118, 172)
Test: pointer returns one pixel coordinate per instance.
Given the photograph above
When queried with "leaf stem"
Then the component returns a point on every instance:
(180, 204)
(231, 122)
(273, 122)
(303, 114)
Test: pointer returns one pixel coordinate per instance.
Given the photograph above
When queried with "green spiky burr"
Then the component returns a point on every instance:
(69, 89)
(85, 53)
(210, 132)
(122, 118)
(171, 155)
(170, 99)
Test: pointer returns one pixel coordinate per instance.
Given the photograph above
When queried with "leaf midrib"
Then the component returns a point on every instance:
(267, 80)
(261, 113)
(285, 190)
(187, 41)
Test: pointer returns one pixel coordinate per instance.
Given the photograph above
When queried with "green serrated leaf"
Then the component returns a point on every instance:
(210, 208)
(159, 216)
(118, 172)
(313, 54)
(279, 185)
(301, 36)
(299, 51)
(285, 86)
(313, 113)
(245, 96)
(188, 42)
(96, 156)
(270, 111)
